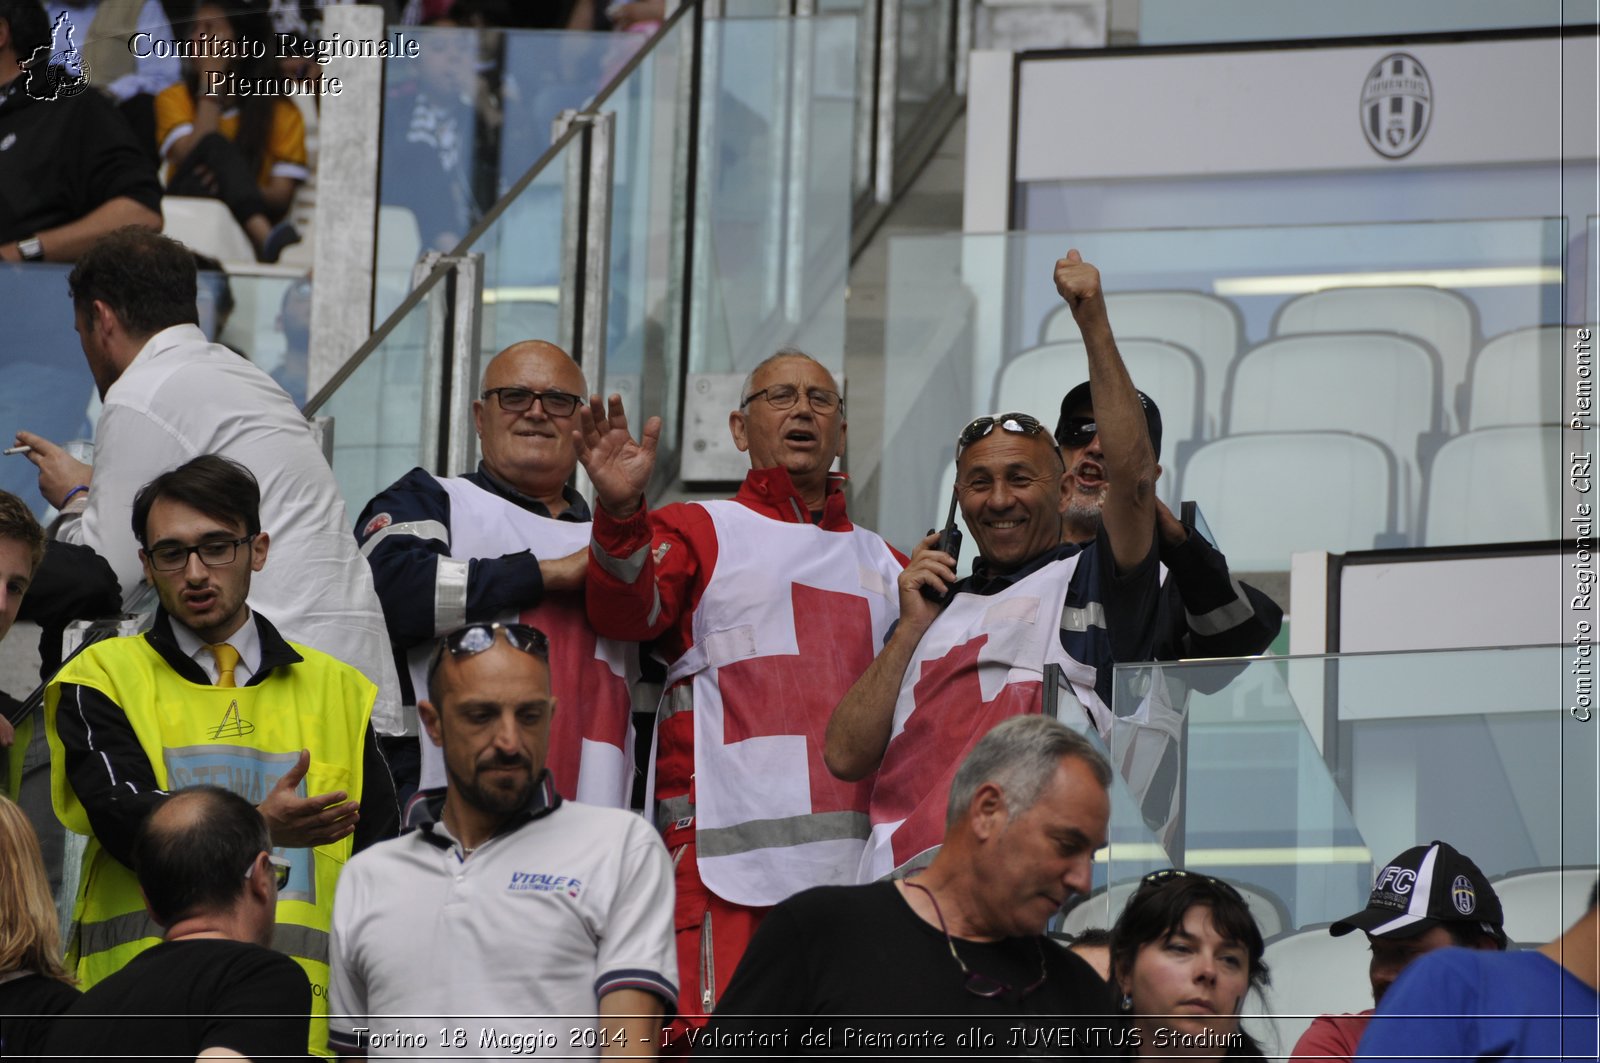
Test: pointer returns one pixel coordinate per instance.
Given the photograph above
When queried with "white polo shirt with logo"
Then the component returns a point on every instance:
(506, 951)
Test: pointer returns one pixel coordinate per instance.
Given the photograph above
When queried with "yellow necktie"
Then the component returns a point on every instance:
(226, 657)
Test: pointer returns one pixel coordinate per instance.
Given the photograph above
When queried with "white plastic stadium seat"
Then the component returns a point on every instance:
(1271, 494)
(1446, 320)
(1371, 383)
(1313, 973)
(1516, 379)
(1541, 903)
(1205, 324)
(1524, 465)
(204, 225)
(1036, 380)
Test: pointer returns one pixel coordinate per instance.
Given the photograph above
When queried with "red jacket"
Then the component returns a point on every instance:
(646, 575)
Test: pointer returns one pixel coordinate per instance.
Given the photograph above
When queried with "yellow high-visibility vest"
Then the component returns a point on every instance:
(240, 738)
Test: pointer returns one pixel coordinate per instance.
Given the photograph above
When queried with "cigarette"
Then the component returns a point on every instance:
(19, 450)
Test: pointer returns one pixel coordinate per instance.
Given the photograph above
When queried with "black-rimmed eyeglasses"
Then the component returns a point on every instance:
(1020, 423)
(473, 639)
(520, 400)
(784, 396)
(214, 553)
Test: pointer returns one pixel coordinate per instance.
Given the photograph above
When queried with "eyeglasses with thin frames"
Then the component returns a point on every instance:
(473, 639)
(214, 553)
(977, 983)
(520, 400)
(784, 396)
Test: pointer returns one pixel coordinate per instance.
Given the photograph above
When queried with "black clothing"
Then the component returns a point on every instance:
(182, 997)
(63, 158)
(71, 583)
(96, 731)
(852, 965)
(233, 178)
(1205, 612)
(27, 1005)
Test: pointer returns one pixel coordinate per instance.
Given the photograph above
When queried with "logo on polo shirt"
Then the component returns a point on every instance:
(1463, 896)
(537, 882)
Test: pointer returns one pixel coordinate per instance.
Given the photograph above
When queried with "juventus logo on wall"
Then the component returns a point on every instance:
(1396, 105)
(232, 725)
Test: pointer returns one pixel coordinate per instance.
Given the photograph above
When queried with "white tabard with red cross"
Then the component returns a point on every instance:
(980, 662)
(791, 617)
(591, 678)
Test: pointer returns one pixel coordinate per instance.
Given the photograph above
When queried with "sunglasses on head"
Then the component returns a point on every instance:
(1165, 875)
(473, 639)
(1019, 423)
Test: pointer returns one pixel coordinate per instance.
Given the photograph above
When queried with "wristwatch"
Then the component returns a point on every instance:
(30, 249)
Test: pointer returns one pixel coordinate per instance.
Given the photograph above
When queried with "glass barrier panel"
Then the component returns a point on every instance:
(643, 357)
(266, 318)
(924, 69)
(378, 409)
(1221, 328)
(772, 218)
(1477, 748)
(48, 387)
(522, 262)
(464, 121)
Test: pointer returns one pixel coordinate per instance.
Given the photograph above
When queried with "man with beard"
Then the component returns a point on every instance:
(1201, 611)
(507, 901)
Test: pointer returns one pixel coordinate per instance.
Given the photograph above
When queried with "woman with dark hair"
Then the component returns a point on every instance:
(33, 983)
(245, 146)
(1184, 953)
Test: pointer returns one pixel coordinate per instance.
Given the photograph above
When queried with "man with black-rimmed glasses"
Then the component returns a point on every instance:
(1036, 627)
(508, 541)
(211, 694)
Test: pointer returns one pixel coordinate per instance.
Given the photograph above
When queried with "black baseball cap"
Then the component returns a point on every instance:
(1422, 888)
(1080, 398)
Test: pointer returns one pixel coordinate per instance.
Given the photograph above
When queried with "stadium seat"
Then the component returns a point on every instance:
(1372, 383)
(1036, 380)
(1540, 903)
(1516, 379)
(206, 226)
(1271, 494)
(1313, 973)
(1203, 323)
(1446, 320)
(1497, 485)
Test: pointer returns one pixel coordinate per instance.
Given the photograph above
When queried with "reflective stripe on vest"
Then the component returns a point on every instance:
(790, 619)
(242, 738)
